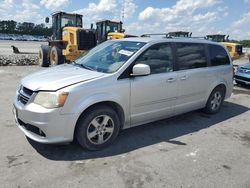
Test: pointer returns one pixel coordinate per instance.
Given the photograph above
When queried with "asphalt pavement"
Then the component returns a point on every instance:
(190, 150)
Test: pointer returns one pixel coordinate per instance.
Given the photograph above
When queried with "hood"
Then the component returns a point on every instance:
(58, 77)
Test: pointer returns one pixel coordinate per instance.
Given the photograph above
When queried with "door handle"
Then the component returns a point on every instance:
(171, 80)
(184, 77)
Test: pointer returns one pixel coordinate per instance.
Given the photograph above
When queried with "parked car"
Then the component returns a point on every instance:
(242, 74)
(121, 84)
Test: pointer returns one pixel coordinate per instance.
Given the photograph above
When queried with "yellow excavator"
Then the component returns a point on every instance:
(234, 49)
(69, 40)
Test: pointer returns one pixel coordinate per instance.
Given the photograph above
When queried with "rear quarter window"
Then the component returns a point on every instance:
(191, 55)
(218, 55)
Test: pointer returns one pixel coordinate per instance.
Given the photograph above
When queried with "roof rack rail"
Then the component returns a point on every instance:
(154, 34)
(168, 36)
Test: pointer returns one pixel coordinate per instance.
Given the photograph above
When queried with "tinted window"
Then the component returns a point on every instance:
(191, 56)
(218, 55)
(158, 57)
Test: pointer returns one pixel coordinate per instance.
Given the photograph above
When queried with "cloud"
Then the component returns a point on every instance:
(188, 15)
(54, 4)
(181, 10)
(239, 29)
(107, 9)
(6, 4)
(24, 11)
(94, 12)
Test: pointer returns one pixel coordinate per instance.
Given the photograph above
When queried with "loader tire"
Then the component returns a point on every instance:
(56, 57)
(43, 53)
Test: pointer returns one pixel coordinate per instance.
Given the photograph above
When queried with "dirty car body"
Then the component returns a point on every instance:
(121, 84)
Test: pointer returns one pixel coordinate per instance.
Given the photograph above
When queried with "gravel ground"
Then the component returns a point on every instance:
(24, 46)
(28, 52)
(190, 150)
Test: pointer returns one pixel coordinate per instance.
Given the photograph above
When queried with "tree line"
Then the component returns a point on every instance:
(245, 43)
(24, 28)
(28, 28)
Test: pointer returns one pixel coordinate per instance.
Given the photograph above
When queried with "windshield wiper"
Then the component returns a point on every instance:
(83, 66)
(87, 67)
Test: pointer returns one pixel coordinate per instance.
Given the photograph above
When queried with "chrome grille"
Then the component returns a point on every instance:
(24, 95)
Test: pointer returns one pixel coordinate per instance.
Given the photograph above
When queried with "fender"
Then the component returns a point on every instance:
(86, 102)
(214, 85)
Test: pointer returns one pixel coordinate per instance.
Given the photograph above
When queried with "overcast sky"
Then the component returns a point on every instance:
(200, 17)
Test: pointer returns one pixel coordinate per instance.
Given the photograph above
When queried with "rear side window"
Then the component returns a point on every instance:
(191, 55)
(218, 55)
(159, 57)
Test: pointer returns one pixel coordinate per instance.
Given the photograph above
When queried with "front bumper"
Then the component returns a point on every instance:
(44, 125)
(242, 77)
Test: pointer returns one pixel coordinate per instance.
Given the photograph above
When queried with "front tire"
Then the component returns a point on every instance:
(97, 128)
(56, 57)
(215, 101)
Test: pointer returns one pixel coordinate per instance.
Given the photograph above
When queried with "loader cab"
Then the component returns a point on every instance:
(106, 26)
(217, 38)
(61, 20)
(234, 49)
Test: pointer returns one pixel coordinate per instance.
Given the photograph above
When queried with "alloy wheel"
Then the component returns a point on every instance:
(216, 100)
(100, 129)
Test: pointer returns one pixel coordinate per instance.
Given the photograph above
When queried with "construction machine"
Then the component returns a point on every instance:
(234, 49)
(68, 39)
(108, 30)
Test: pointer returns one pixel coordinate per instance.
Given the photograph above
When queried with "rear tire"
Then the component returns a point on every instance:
(56, 57)
(215, 101)
(43, 59)
(97, 128)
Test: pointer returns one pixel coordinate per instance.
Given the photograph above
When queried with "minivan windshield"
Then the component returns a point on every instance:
(109, 56)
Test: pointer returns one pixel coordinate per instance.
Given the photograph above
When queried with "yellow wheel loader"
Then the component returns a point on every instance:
(108, 30)
(69, 40)
(235, 49)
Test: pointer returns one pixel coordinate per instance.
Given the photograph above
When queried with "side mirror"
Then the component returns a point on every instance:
(47, 20)
(140, 70)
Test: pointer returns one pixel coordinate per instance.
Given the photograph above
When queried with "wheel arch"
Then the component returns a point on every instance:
(114, 105)
(221, 84)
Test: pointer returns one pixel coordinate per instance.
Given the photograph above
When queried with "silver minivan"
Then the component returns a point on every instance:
(120, 84)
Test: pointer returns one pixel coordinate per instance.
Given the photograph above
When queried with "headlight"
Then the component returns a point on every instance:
(51, 99)
(18, 86)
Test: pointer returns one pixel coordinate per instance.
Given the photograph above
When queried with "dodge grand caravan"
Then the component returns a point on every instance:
(121, 84)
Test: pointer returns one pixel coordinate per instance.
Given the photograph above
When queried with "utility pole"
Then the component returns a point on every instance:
(123, 11)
